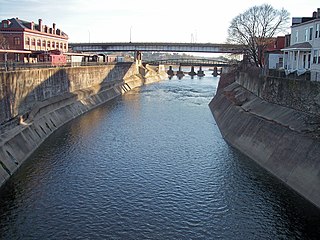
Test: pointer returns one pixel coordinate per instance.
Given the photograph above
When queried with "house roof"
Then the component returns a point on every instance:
(275, 51)
(298, 46)
(16, 23)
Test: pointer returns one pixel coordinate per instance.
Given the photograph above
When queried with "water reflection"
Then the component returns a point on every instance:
(150, 165)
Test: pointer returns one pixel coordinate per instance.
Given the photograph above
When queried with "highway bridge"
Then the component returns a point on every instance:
(156, 47)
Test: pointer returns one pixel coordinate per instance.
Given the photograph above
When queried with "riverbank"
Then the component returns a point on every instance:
(37, 102)
(275, 123)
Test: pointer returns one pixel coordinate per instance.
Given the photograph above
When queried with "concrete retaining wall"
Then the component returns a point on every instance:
(301, 95)
(21, 90)
(283, 140)
(53, 97)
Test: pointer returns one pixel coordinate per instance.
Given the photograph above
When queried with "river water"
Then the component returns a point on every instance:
(150, 165)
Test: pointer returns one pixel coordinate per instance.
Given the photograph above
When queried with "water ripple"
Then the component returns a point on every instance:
(150, 165)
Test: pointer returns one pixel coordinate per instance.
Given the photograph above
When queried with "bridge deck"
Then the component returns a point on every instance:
(158, 47)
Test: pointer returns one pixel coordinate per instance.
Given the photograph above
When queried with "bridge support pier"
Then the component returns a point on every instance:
(215, 71)
(192, 72)
(170, 71)
(138, 57)
(200, 72)
(180, 73)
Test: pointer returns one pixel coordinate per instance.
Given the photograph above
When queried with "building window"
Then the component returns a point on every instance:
(65, 46)
(61, 46)
(310, 33)
(17, 41)
(280, 61)
(39, 42)
(5, 24)
(43, 43)
(48, 44)
(317, 31)
(306, 35)
(33, 42)
(295, 56)
(315, 56)
(297, 36)
(17, 57)
(27, 41)
(53, 44)
(57, 45)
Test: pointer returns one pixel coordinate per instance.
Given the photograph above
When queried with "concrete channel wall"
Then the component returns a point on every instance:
(273, 131)
(301, 95)
(35, 103)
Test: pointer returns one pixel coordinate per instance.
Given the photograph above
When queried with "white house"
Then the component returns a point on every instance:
(303, 54)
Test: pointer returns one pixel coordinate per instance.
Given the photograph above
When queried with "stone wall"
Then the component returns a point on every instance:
(301, 95)
(254, 117)
(20, 91)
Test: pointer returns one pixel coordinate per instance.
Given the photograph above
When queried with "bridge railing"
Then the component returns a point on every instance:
(190, 62)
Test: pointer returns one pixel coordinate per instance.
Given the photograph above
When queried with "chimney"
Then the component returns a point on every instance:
(54, 28)
(40, 25)
(32, 25)
(314, 14)
(318, 11)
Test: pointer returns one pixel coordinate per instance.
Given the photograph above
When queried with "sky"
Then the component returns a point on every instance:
(201, 21)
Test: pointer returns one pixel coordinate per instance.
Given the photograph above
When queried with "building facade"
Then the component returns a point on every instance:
(28, 36)
(273, 57)
(303, 54)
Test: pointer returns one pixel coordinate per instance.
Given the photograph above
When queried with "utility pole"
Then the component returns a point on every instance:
(130, 33)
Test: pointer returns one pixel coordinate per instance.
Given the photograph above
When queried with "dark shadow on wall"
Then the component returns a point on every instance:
(5, 97)
(54, 88)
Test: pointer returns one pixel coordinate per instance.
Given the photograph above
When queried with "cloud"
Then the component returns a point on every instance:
(170, 20)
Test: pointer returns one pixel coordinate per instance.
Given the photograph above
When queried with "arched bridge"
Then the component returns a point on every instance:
(190, 62)
(157, 47)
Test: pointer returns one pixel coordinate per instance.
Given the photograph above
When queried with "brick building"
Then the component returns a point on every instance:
(273, 56)
(38, 38)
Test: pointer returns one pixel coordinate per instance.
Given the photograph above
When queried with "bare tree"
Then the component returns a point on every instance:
(255, 28)
(3, 42)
